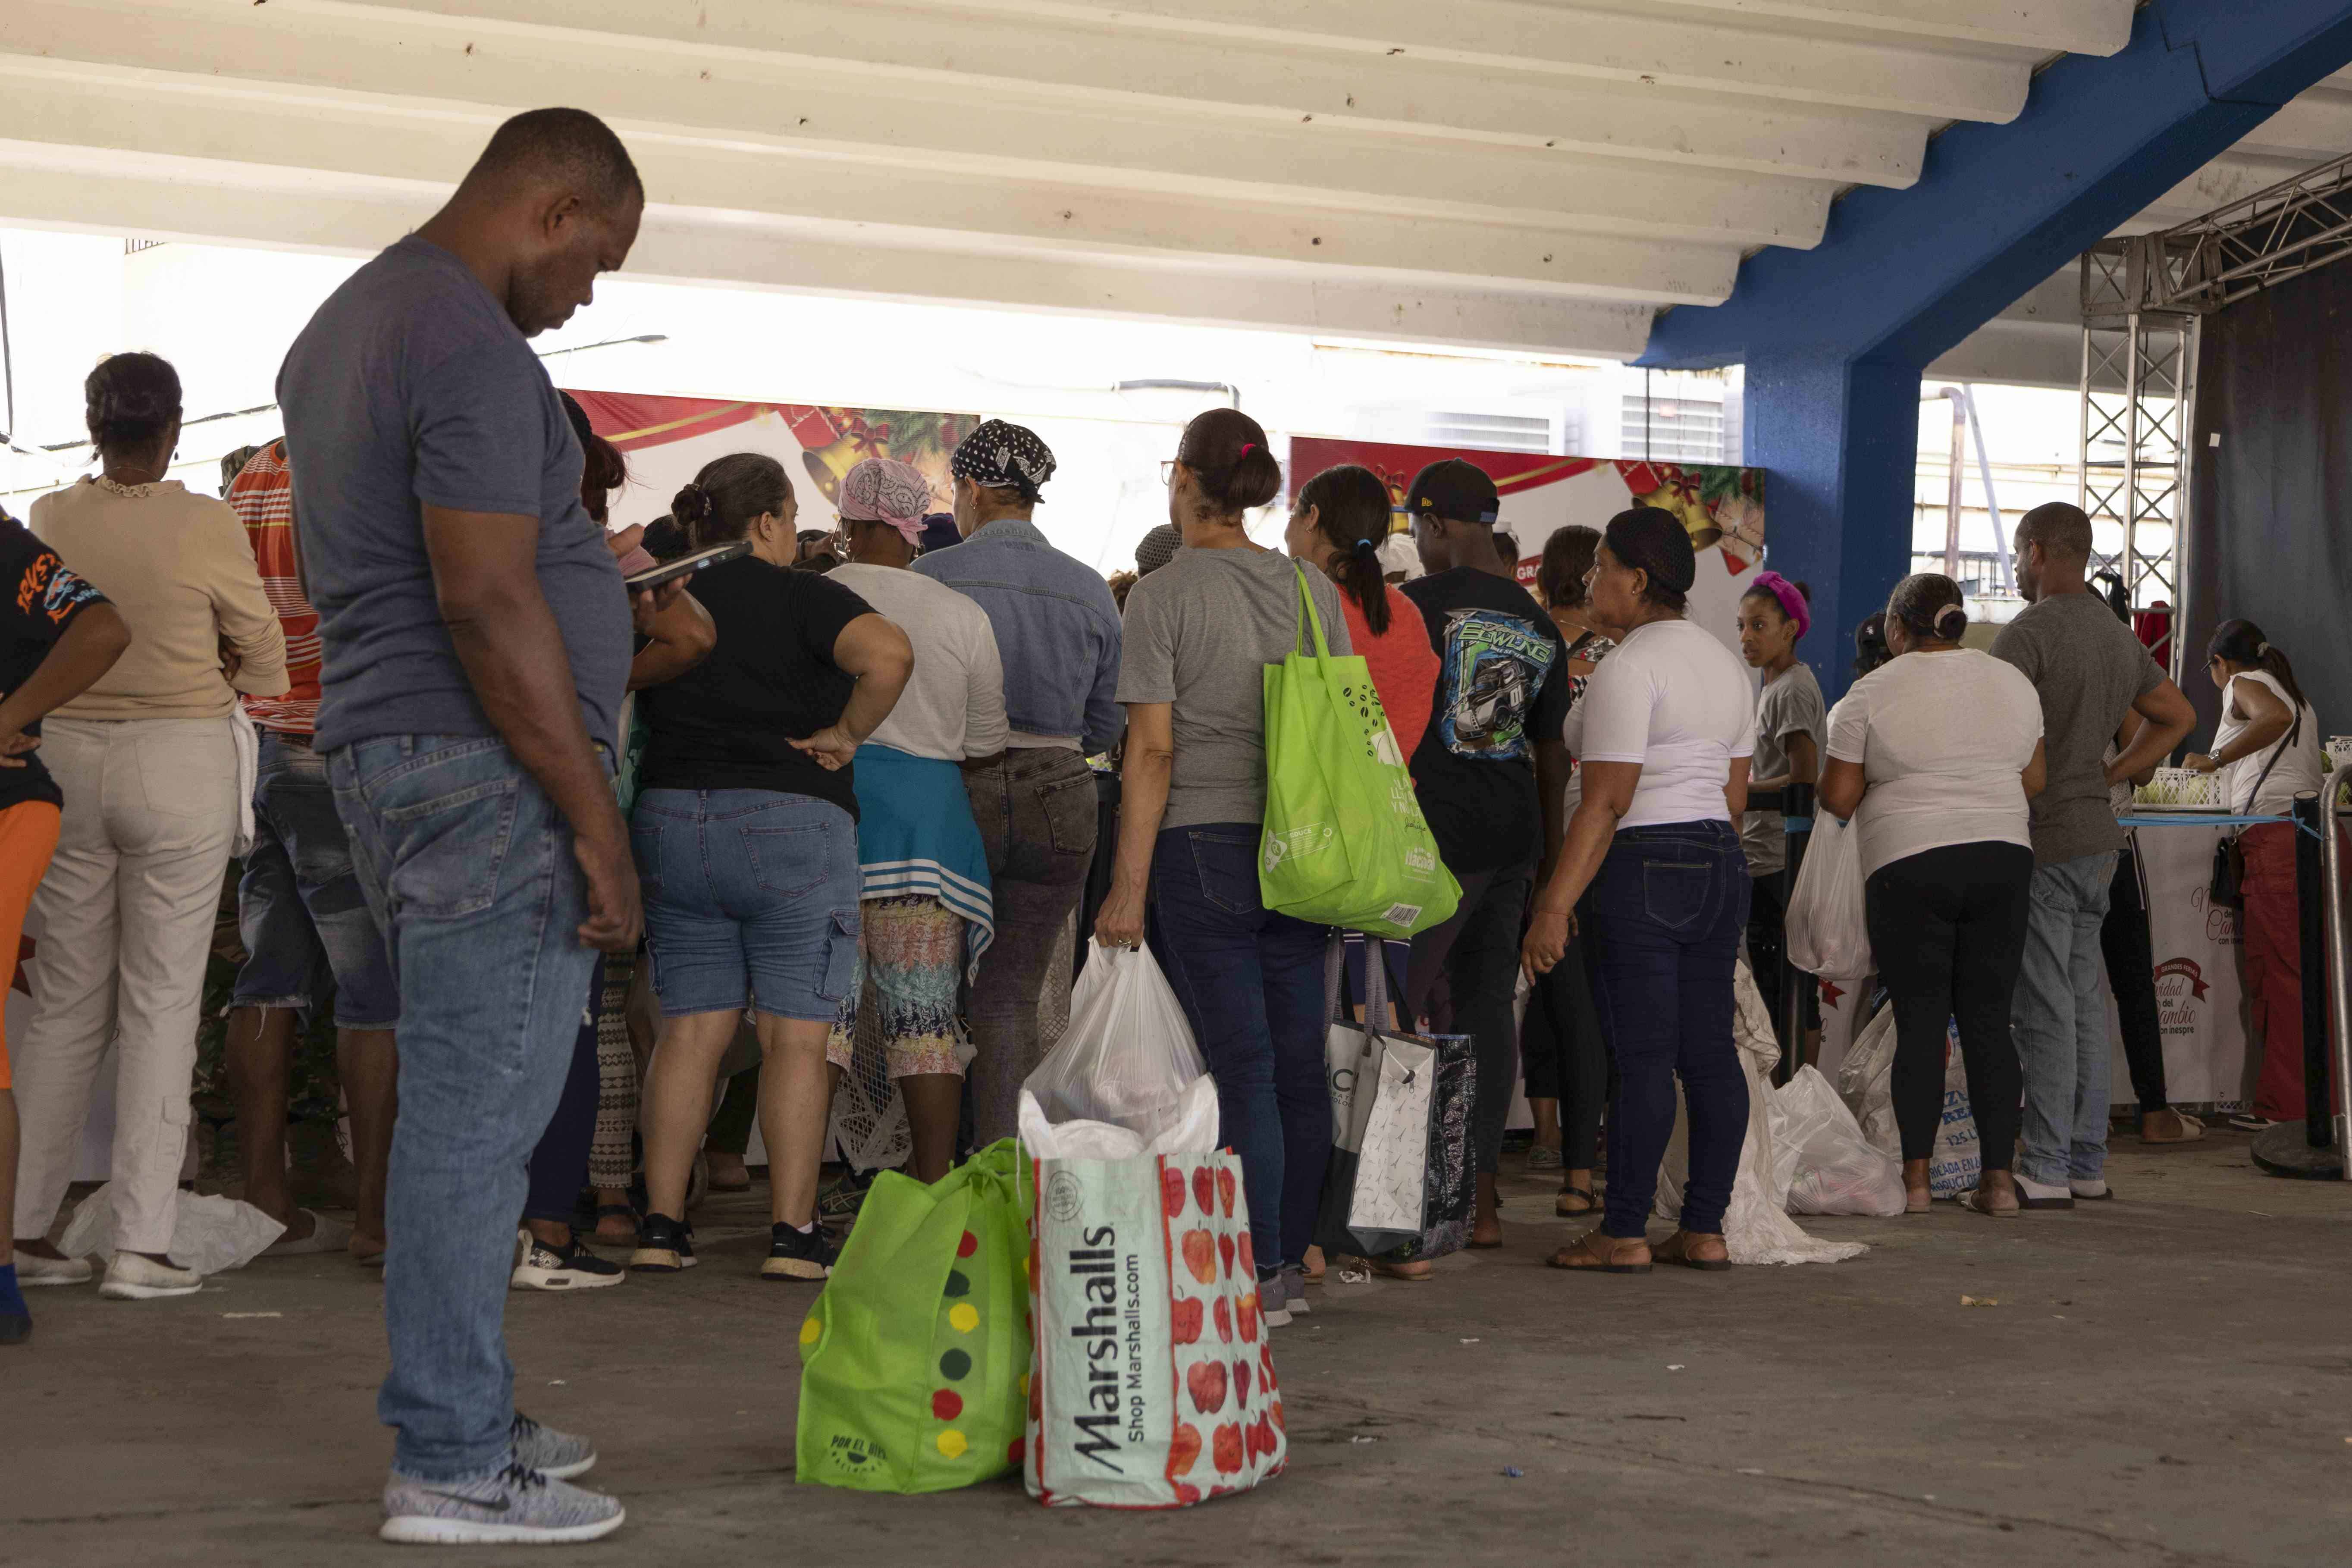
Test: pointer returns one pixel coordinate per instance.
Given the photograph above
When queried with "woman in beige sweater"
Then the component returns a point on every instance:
(147, 759)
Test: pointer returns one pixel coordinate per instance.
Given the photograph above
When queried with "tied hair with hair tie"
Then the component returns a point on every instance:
(1930, 606)
(2242, 642)
(1352, 513)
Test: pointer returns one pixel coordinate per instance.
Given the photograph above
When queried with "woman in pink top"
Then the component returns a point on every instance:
(1337, 522)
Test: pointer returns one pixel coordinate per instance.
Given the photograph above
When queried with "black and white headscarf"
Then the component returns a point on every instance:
(999, 456)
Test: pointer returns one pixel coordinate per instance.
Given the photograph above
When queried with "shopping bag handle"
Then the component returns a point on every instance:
(1383, 1008)
(1310, 622)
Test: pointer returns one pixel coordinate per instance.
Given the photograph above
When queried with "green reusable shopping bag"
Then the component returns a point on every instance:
(915, 1359)
(1344, 843)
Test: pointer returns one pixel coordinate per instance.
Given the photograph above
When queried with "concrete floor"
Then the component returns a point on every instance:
(2166, 1379)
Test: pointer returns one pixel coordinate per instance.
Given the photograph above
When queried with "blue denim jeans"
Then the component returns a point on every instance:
(1251, 983)
(2060, 1022)
(301, 913)
(470, 869)
(1667, 908)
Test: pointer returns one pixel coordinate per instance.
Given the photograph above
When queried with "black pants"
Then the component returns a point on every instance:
(1564, 1054)
(2131, 973)
(1459, 982)
(1947, 928)
(1768, 945)
(559, 1166)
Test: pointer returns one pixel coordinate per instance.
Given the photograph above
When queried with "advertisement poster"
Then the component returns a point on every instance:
(2200, 991)
(1721, 506)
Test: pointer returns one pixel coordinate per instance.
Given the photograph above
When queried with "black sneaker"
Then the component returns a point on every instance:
(665, 1246)
(799, 1254)
(571, 1267)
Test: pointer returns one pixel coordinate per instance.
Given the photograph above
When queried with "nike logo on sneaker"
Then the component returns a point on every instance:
(498, 1504)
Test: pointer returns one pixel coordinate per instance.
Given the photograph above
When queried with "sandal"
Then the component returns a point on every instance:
(2169, 1129)
(1583, 1195)
(1977, 1200)
(1676, 1249)
(1593, 1253)
(1918, 1200)
(623, 1234)
(1418, 1270)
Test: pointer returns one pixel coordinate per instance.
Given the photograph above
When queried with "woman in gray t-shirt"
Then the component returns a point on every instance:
(1198, 633)
(1791, 722)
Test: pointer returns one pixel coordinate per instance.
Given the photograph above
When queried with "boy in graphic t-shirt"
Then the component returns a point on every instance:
(1502, 687)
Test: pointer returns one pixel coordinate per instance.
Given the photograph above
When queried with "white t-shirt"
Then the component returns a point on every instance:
(1941, 738)
(1675, 699)
(2298, 765)
(953, 706)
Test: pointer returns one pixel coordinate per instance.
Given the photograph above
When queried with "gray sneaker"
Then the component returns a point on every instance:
(1294, 1290)
(1272, 1301)
(515, 1506)
(558, 1456)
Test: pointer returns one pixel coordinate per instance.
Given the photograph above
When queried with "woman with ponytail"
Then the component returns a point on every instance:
(2266, 749)
(1199, 632)
(1337, 522)
(1932, 757)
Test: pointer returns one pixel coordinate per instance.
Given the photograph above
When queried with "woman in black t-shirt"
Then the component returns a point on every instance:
(746, 840)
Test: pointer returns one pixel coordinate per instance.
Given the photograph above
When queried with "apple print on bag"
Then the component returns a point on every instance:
(1152, 1384)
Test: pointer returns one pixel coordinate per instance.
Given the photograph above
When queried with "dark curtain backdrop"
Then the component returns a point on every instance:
(2271, 533)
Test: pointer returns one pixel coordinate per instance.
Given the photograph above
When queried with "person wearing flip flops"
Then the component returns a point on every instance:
(1947, 865)
(1663, 731)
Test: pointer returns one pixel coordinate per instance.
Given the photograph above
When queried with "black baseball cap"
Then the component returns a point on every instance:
(1454, 489)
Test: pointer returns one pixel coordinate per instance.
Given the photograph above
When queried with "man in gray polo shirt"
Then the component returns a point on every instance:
(2090, 670)
(477, 643)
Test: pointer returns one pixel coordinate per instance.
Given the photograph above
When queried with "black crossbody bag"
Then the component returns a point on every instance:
(2228, 887)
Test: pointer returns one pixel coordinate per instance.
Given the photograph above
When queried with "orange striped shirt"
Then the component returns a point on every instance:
(262, 496)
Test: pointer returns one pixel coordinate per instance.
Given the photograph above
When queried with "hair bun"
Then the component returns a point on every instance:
(1954, 617)
(691, 505)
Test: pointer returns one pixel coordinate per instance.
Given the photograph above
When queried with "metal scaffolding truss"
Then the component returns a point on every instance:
(2142, 300)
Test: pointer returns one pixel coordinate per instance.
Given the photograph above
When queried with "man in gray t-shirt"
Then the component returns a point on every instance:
(475, 637)
(2090, 671)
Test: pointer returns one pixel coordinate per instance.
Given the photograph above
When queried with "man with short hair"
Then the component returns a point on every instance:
(302, 916)
(476, 640)
(1057, 631)
(1502, 694)
(2090, 671)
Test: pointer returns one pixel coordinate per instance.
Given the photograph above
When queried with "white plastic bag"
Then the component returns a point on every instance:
(1821, 1159)
(1954, 1163)
(1128, 1055)
(1193, 1132)
(209, 1234)
(1866, 1079)
(1827, 933)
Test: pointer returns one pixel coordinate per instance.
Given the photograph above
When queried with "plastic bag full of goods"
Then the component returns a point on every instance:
(1128, 1055)
(209, 1234)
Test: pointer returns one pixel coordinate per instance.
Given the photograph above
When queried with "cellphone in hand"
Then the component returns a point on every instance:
(687, 565)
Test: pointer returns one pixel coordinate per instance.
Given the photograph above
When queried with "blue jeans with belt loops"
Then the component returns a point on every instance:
(1668, 905)
(470, 869)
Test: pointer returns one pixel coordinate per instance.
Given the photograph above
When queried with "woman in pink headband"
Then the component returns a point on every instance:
(1791, 724)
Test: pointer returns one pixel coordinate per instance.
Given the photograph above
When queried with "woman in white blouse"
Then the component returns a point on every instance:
(1663, 731)
(1932, 756)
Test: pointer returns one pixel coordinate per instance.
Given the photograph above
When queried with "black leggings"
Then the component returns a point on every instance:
(1565, 1055)
(1947, 928)
(1768, 942)
(2131, 975)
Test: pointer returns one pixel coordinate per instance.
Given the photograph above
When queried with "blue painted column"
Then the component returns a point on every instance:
(1840, 439)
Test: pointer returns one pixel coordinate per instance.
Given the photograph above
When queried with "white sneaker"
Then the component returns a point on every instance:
(131, 1277)
(326, 1234)
(32, 1270)
(2094, 1189)
(517, 1506)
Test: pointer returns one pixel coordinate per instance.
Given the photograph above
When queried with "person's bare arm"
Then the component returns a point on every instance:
(1143, 801)
(1553, 768)
(1608, 795)
(486, 580)
(2124, 733)
(2035, 777)
(683, 637)
(1735, 788)
(878, 654)
(1804, 758)
(84, 651)
(1842, 788)
(2168, 717)
(2267, 720)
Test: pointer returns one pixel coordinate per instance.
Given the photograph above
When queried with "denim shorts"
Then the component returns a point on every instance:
(751, 900)
(301, 913)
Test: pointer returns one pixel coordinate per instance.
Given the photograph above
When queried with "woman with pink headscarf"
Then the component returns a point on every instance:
(926, 915)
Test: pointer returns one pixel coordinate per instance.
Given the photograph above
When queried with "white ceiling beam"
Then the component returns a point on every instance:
(163, 204)
(51, 120)
(1665, 125)
(1578, 43)
(2311, 129)
(2043, 27)
(974, 134)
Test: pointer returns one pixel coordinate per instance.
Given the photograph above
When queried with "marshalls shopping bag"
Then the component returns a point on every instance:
(914, 1357)
(1153, 1384)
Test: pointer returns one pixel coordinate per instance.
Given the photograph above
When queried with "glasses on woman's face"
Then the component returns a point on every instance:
(1168, 471)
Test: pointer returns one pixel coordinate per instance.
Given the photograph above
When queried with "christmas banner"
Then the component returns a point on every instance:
(1722, 507)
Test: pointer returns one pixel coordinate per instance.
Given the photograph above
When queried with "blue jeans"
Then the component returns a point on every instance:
(301, 913)
(470, 869)
(1251, 983)
(1667, 908)
(2061, 1020)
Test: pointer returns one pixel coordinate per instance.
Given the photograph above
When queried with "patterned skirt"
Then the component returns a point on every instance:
(910, 958)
